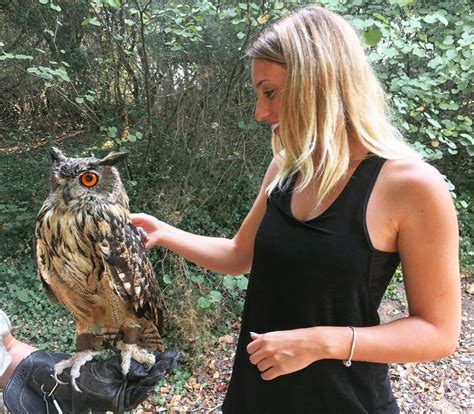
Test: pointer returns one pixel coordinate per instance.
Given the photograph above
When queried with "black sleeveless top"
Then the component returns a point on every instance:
(320, 272)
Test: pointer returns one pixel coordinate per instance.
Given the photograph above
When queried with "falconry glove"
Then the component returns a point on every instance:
(32, 388)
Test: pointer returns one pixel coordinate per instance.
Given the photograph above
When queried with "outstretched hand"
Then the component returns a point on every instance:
(32, 388)
(149, 227)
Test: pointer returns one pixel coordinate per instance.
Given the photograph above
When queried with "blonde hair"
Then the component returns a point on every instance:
(331, 94)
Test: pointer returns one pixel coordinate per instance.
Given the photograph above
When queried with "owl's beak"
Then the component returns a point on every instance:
(66, 195)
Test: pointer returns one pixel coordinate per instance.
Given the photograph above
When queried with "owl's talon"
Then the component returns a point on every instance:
(129, 351)
(75, 363)
(74, 385)
(55, 376)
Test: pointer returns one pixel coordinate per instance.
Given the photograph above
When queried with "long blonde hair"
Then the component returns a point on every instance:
(331, 94)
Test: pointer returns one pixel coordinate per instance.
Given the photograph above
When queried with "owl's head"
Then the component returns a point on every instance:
(76, 182)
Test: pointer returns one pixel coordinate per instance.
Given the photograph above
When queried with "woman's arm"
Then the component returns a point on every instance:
(227, 256)
(428, 246)
(18, 351)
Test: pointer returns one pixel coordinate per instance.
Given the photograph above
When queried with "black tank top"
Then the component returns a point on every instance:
(319, 272)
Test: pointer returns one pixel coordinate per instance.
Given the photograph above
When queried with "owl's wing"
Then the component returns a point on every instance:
(42, 254)
(130, 268)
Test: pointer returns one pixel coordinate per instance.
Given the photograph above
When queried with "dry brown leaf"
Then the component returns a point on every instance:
(226, 339)
(470, 289)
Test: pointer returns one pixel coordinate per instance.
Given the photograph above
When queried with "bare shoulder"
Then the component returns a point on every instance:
(273, 169)
(417, 191)
(414, 171)
(413, 179)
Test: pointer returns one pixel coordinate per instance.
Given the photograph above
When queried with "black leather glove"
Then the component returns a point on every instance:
(32, 389)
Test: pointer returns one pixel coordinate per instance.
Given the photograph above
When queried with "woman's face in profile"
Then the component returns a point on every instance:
(268, 79)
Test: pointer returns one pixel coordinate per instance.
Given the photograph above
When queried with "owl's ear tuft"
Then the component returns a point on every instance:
(56, 154)
(113, 158)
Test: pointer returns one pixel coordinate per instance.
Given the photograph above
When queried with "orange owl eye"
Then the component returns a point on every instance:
(89, 179)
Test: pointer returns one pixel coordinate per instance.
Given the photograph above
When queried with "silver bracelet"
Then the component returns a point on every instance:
(348, 362)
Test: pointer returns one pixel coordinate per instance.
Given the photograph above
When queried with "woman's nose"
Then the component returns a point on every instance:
(261, 111)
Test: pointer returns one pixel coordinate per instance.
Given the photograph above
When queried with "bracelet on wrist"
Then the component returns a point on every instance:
(348, 361)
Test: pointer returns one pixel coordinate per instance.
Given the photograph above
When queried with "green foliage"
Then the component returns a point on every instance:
(167, 82)
(34, 320)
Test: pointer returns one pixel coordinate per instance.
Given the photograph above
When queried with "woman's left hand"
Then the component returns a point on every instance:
(282, 352)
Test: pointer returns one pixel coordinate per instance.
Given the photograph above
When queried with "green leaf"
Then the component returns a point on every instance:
(24, 57)
(203, 302)
(242, 125)
(79, 100)
(430, 18)
(139, 135)
(132, 138)
(242, 282)
(434, 122)
(113, 3)
(112, 132)
(372, 36)
(43, 1)
(92, 20)
(198, 279)
(241, 35)
(229, 282)
(167, 279)
(63, 75)
(252, 125)
(215, 296)
(23, 296)
(442, 19)
(55, 7)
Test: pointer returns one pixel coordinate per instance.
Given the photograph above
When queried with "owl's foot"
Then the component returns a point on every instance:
(75, 363)
(129, 351)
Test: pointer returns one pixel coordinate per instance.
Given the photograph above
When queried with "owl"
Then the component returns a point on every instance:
(92, 260)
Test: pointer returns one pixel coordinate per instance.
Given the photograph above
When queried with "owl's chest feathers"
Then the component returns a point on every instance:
(77, 243)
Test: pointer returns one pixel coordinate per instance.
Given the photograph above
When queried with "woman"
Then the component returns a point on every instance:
(342, 203)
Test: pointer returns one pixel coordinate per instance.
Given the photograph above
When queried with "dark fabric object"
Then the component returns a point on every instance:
(102, 383)
(319, 272)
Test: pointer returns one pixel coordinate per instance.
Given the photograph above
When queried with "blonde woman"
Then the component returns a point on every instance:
(342, 203)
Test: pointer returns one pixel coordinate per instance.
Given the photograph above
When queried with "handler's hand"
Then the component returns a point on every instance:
(281, 352)
(32, 388)
(149, 227)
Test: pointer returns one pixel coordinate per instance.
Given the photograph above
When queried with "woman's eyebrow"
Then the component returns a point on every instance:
(260, 82)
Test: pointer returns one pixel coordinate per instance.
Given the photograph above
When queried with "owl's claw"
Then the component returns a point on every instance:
(75, 363)
(55, 376)
(129, 351)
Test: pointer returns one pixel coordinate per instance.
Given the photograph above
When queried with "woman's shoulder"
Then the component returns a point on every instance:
(413, 173)
(414, 182)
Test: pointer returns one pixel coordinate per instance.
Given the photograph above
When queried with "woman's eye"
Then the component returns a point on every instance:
(269, 94)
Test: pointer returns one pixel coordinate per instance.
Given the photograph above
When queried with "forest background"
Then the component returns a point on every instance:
(169, 83)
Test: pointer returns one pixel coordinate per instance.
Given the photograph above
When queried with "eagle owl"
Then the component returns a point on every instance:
(92, 260)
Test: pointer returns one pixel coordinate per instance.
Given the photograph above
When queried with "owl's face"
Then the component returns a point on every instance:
(76, 182)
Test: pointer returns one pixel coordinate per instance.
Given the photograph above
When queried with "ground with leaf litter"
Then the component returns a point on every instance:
(429, 387)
